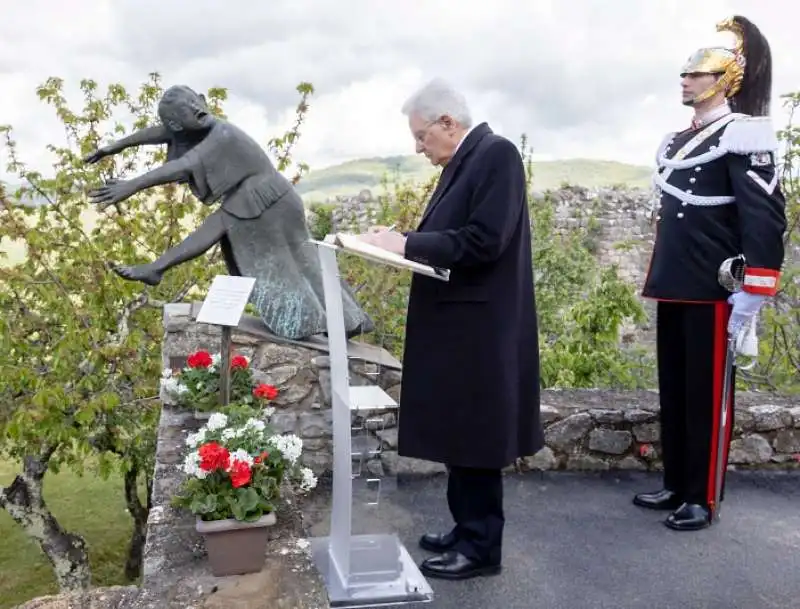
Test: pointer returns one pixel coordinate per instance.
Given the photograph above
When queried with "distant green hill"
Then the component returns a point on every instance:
(353, 176)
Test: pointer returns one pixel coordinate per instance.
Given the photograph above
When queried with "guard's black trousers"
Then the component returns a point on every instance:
(692, 342)
(475, 499)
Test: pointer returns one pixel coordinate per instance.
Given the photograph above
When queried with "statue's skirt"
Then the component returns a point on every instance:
(274, 248)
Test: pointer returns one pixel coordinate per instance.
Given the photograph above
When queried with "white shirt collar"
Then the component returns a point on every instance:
(711, 116)
(461, 141)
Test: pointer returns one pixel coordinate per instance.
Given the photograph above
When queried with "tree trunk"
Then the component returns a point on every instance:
(139, 512)
(66, 552)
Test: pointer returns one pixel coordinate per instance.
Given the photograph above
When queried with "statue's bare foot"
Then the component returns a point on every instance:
(142, 272)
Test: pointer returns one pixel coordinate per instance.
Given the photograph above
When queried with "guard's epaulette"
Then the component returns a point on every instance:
(749, 134)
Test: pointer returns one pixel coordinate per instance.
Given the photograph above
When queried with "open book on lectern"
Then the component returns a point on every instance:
(351, 243)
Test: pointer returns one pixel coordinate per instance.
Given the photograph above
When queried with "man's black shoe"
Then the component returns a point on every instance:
(437, 542)
(660, 500)
(454, 565)
(689, 517)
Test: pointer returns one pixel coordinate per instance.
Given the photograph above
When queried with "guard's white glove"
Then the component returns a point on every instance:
(745, 307)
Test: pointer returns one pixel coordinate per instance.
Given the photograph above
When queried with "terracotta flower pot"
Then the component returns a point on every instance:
(235, 547)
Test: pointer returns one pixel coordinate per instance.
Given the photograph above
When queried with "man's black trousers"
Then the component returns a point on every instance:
(692, 343)
(475, 499)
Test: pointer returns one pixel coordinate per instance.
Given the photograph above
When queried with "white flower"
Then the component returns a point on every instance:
(194, 439)
(173, 386)
(240, 455)
(307, 479)
(191, 466)
(255, 424)
(166, 373)
(216, 421)
(290, 446)
(216, 359)
(269, 411)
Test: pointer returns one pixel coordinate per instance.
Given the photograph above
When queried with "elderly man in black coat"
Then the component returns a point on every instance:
(470, 391)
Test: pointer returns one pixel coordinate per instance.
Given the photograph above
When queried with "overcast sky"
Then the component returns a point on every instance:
(583, 78)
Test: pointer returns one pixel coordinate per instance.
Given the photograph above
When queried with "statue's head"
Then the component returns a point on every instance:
(182, 109)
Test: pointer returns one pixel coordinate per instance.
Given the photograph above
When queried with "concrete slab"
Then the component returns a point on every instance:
(575, 541)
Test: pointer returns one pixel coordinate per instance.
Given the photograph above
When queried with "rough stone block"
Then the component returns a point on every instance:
(769, 418)
(395, 465)
(637, 415)
(606, 417)
(586, 463)
(610, 441)
(284, 422)
(543, 460)
(564, 434)
(316, 424)
(787, 441)
(647, 432)
(795, 414)
(549, 414)
(749, 450)
(631, 463)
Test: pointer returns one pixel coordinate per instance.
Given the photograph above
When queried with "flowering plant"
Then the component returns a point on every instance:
(198, 383)
(236, 465)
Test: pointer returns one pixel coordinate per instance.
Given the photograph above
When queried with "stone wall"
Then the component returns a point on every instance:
(585, 429)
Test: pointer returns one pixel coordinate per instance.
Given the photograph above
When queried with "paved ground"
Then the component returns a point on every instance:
(575, 541)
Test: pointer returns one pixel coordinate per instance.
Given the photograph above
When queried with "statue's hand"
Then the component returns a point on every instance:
(112, 193)
(98, 154)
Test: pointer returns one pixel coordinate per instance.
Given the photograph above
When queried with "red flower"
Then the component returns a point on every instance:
(213, 457)
(240, 473)
(266, 392)
(200, 359)
(238, 361)
(262, 457)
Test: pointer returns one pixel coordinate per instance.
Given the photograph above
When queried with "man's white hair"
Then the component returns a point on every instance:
(436, 99)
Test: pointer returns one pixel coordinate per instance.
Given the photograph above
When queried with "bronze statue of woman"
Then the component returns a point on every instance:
(260, 224)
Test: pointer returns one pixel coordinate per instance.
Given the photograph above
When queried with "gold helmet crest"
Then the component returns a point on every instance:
(730, 63)
(744, 70)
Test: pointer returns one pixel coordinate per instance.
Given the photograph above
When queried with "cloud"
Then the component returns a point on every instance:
(588, 78)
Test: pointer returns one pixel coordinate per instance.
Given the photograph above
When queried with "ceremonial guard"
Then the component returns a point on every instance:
(720, 202)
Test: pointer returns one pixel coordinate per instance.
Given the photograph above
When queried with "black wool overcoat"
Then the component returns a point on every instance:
(470, 386)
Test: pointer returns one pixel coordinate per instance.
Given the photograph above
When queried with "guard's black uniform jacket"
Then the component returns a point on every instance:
(719, 197)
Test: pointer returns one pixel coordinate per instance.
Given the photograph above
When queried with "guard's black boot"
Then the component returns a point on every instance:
(689, 517)
(660, 500)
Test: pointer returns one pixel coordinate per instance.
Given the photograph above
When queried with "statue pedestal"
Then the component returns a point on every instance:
(358, 570)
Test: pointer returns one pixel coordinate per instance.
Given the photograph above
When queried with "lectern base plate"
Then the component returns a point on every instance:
(382, 573)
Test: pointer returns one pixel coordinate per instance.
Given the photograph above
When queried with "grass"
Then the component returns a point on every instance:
(353, 176)
(89, 506)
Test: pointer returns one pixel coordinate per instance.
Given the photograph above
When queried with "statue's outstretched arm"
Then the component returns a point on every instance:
(115, 191)
(154, 135)
(171, 171)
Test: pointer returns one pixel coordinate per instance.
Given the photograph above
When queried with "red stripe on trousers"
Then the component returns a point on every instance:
(721, 310)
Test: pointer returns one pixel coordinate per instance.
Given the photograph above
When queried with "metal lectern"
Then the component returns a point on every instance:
(373, 570)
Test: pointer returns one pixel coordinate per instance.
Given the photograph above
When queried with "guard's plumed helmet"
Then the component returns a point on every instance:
(745, 70)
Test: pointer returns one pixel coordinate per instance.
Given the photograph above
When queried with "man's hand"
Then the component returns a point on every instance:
(745, 307)
(386, 239)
